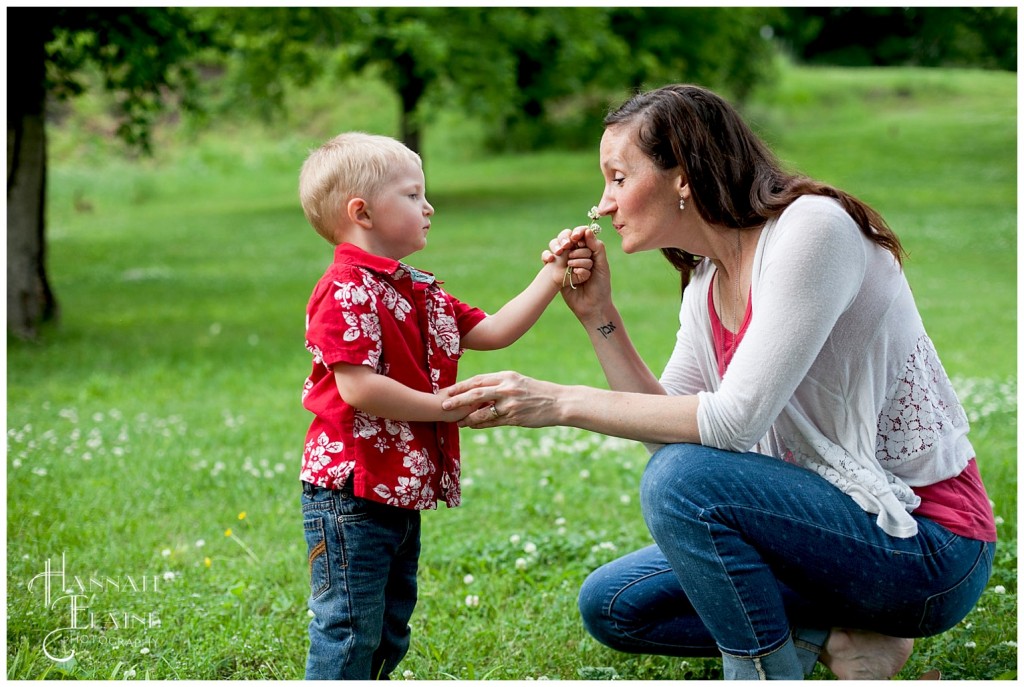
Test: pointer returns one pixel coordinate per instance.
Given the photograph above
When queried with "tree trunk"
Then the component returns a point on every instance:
(30, 301)
(410, 90)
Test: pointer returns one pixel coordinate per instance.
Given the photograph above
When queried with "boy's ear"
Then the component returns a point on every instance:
(358, 211)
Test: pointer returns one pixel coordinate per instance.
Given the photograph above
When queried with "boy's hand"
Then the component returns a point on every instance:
(455, 414)
(592, 301)
(571, 256)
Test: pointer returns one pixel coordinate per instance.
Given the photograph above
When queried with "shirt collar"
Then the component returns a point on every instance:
(351, 254)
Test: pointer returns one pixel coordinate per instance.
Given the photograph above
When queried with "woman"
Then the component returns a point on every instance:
(812, 493)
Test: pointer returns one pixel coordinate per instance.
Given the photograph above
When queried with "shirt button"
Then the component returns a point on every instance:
(442, 441)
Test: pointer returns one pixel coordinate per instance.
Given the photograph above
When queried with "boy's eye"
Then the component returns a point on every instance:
(414, 196)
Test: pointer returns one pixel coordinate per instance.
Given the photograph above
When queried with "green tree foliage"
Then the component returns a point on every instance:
(724, 48)
(983, 37)
(139, 54)
(538, 76)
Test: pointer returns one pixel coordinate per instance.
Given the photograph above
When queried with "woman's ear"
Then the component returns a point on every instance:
(358, 212)
(683, 188)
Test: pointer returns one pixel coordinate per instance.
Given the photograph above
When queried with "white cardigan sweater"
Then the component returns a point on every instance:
(835, 372)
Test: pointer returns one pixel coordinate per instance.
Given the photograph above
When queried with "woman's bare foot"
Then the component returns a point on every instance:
(863, 655)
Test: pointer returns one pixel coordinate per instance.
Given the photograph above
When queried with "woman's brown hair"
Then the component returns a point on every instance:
(737, 182)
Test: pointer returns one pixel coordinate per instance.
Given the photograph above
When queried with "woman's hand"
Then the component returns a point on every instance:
(593, 292)
(504, 398)
(569, 263)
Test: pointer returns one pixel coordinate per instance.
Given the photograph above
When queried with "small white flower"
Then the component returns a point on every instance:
(514, 539)
(468, 579)
(971, 645)
(520, 564)
(200, 543)
(624, 499)
(559, 521)
(130, 672)
(472, 601)
(999, 520)
(529, 547)
(593, 215)
(409, 675)
(165, 553)
(144, 650)
(169, 575)
(999, 589)
(584, 474)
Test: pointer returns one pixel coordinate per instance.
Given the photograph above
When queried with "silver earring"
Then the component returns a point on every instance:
(682, 203)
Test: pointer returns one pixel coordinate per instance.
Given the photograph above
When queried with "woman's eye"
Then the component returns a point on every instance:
(618, 180)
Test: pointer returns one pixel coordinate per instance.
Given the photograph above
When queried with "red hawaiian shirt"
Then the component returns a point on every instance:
(374, 311)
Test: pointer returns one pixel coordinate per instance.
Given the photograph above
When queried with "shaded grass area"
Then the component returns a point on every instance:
(156, 432)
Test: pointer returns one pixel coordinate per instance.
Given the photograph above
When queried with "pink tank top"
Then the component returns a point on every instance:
(960, 504)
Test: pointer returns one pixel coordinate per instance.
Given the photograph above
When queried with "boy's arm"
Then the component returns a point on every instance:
(515, 317)
(373, 393)
(504, 327)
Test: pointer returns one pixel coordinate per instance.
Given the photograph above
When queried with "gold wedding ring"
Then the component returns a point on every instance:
(494, 411)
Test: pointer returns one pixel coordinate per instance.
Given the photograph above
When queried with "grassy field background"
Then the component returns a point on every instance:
(154, 437)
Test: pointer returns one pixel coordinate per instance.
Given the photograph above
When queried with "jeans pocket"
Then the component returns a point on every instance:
(319, 567)
(945, 609)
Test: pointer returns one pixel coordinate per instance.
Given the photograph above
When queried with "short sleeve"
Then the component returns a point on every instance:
(466, 316)
(344, 324)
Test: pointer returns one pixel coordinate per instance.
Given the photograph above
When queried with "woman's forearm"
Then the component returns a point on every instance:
(623, 367)
(649, 418)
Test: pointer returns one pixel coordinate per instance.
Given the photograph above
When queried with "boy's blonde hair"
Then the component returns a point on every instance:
(350, 165)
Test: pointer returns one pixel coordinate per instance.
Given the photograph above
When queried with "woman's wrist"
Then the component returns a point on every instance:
(601, 323)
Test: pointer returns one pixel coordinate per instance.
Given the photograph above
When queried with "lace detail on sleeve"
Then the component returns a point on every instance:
(920, 408)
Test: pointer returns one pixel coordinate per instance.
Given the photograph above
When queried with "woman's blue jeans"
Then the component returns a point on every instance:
(363, 558)
(756, 559)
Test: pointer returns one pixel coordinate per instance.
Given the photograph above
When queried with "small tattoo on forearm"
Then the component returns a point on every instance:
(606, 329)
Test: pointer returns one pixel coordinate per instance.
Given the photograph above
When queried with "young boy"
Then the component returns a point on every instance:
(386, 340)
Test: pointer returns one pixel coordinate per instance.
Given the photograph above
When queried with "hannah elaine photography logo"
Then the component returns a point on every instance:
(83, 603)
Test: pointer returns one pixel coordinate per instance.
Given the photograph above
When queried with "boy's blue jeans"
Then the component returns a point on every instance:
(363, 558)
(756, 559)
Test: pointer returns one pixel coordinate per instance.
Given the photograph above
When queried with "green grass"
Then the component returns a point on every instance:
(164, 409)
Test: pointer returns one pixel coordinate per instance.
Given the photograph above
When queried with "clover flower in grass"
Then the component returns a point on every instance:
(472, 601)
